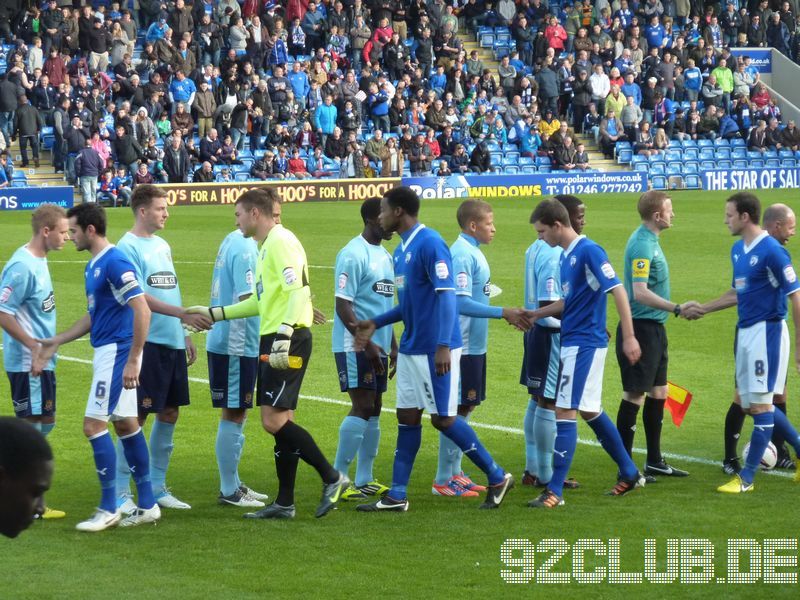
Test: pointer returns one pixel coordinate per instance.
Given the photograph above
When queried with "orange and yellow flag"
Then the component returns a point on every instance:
(678, 401)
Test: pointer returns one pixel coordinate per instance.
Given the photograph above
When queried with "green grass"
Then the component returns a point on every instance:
(441, 546)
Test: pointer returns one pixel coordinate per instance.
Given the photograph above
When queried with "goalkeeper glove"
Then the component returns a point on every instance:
(279, 354)
(214, 313)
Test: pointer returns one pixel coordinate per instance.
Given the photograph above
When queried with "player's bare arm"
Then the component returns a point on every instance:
(344, 309)
(141, 325)
(630, 346)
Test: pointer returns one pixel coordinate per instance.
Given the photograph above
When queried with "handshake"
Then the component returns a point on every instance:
(692, 310)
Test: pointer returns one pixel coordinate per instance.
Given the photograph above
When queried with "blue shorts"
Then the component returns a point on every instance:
(33, 396)
(108, 398)
(540, 361)
(164, 379)
(473, 379)
(232, 380)
(355, 371)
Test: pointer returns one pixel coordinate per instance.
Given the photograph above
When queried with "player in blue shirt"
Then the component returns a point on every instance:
(232, 349)
(763, 278)
(164, 385)
(27, 314)
(586, 278)
(473, 285)
(542, 348)
(430, 350)
(364, 284)
(117, 318)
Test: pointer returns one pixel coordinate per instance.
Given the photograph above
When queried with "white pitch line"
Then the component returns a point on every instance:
(478, 425)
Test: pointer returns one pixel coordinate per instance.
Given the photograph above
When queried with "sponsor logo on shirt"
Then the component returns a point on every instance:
(248, 278)
(127, 276)
(788, 274)
(641, 267)
(740, 283)
(441, 269)
(163, 280)
(5, 294)
(90, 302)
(400, 281)
(565, 289)
(487, 288)
(289, 276)
(608, 270)
(550, 285)
(49, 303)
(461, 280)
(384, 287)
(343, 277)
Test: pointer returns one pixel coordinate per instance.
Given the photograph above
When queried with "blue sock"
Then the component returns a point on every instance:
(368, 452)
(544, 429)
(239, 449)
(136, 452)
(160, 450)
(409, 438)
(447, 452)
(465, 438)
(456, 464)
(784, 427)
(351, 436)
(609, 438)
(225, 447)
(563, 453)
(123, 475)
(47, 428)
(763, 424)
(105, 461)
(531, 456)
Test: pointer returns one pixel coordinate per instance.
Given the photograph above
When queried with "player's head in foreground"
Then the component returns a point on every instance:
(475, 217)
(26, 468)
(552, 223)
(655, 209)
(370, 214)
(576, 209)
(742, 214)
(780, 222)
(149, 205)
(50, 228)
(87, 227)
(399, 209)
(257, 212)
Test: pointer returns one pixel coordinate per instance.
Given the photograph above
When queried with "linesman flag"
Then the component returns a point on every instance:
(678, 401)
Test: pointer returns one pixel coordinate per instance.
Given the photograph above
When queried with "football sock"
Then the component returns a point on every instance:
(531, 456)
(609, 439)
(763, 424)
(123, 471)
(465, 438)
(160, 451)
(286, 459)
(734, 420)
(368, 452)
(48, 427)
(456, 468)
(409, 438)
(626, 424)
(291, 434)
(786, 430)
(351, 436)
(777, 434)
(227, 440)
(444, 468)
(653, 416)
(563, 453)
(135, 448)
(105, 461)
(544, 430)
(239, 449)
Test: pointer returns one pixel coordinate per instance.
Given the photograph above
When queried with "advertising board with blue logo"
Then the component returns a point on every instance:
(750, 179)
(30, 198)
(761, 58)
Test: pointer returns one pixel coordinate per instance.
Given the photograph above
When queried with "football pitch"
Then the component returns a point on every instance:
(443, 547)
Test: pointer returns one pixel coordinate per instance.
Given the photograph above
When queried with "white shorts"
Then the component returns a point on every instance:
(762, 361)
(418, 385)
(580, 386)
(108, 399)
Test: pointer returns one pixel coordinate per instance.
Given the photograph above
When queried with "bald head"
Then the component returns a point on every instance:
(780, 222)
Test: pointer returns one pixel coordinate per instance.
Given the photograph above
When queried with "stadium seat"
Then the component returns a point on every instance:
(757, 163)
(544, 169)
(676, 182)
(511, 169)
(707, 154)
(494, 147)
(705, 143)
(740, 163)
(788, 162)
(496, 159)
(754, 154)
(513, 155)
(692, 182)
(658, 168)
(487, 40)
(738, 143)
(242, 176)
(528, 169)
(708, 164)
(674, 144)
(624, 156)
(543, 161)
(724, 164)
(691, 167)
(721, 143)
(247, 162)
(784, 153)
(773, 162)
(689, 144)
(658, 182)
(674, 155)
(723, 153)
(641, 166)
(771, 153)
(526, 160)
(739, 152)
(691, 154)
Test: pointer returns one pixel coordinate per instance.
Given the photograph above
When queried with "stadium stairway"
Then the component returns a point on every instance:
(44, 176)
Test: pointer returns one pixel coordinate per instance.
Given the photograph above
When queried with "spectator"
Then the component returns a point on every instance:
(742, 81)
(420, 157)
(319, 165)
(709, 123)
(611, 131)
(108, 190)
(143, 175)
(758, 137)
(205, 174)
(565, 155)
(98, 43)
(778, 35)
(728, 128)
(176, 162)
(774, 137)
(459, 160)
(88, 166)
(480, 160)
(631, 115)
(28, 123)
(790, 136)
(712, 92)
(297, 166)
(724, 78)
(581, 157)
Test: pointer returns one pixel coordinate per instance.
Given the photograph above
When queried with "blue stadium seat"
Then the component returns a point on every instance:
(674, 144)
(641, 166)
(757, 163)
(242, 176)
(692, 182)
(724, 164)
(753, 154)
(707, 154)
(708, 164)
(526, 160)
(739, 152)
(543, 161)
(723, 153)
(675, 182)
(738, 143)
(658, 182)
(788, 162)
(247, 153)
(689, 143)
(721, 143)
(691, 167)
(705, 144)
(502, 38)
(247, 162)
(494, 147)
(624, 155)
(740, 163)
(496, 159)
(511, 169)
(691, 154)
(528, 169)
(771, 153)
(487, 40)
(544, 169)
(773, 162)
(658, 168)
(674, 155)
(513, 155)
(784, 153)
(654, 158)
(673, 168)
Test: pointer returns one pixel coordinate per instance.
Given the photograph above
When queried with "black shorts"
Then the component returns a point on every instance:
(232, 380)
(540, 361)
(473, 379)
(651, 370)
(277, 388)
(164, 379)
(356, 372)
(33, 396)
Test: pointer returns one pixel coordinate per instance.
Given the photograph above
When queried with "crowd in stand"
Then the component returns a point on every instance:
(155, 91)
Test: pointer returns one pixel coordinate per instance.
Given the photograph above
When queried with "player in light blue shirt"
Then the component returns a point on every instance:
(586, 277)
(27, 314)
(117, 318)
(542, 349)
(164, 385)
(232, 348)
(428, 362)
(473, 287)
(364, 287)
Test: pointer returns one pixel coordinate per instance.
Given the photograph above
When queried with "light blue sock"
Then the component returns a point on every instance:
(763, 424)
(227, 440)
(239, 450)
(160, 450)
(368, 452)
(47, 428)
(447, 452)
(351, 436)
(787, 430)
(409, 439)
(456, 466)
(123, 474)
(136, 453)
(609, 438)
(37, 425)
(105, 462)
(563, 453)
(544, 430)
(531, 456)
(465, 438)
